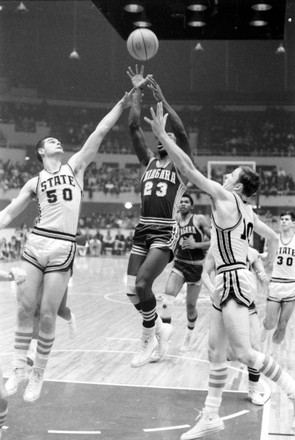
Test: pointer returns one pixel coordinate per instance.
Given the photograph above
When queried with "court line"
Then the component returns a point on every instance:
(232, 416)
(52, 431)
(166, 428)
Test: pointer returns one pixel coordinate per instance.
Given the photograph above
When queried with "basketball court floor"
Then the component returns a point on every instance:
(91, 392)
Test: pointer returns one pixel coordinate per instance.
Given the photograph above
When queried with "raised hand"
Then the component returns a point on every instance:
(127, 98)
(155, 88)
(158, 120)
(137, 78)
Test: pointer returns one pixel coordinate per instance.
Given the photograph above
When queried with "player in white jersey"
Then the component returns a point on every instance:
(50, 249)
(233, 223)
(281, 292)
(18, 275)
(256, 267)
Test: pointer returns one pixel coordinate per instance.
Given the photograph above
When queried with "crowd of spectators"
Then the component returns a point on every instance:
(114, 180)
(218, 130)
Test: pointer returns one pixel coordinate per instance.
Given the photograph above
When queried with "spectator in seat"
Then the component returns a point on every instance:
(119, 244)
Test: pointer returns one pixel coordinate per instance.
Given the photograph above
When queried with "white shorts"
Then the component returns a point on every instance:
(239, 285)
(49, 254)
(281, 292)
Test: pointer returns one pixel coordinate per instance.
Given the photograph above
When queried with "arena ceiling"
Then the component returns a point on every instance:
(200, 19)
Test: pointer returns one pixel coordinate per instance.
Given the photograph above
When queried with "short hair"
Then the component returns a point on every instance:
(290, 213)
(188, 196)
(40, 144)
(250, 180)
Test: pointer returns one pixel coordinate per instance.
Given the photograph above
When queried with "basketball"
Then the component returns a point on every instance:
(142, 44)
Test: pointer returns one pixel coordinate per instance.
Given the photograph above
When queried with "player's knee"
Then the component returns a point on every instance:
(141, 287)
(25, 311)
(191, 310)
(131, 290)
(3, 400)
(242, 355)
(269, 324)
(47, 321)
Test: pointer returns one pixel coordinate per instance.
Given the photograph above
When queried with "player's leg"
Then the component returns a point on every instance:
(27, 294)
(237, 328)
(3, 403)
(287, 308)
(65, 313)
(254, 391)
(54, 286)
(134, 263)
(153, 265)
(192, 295)
(208, 420)
(173, 286)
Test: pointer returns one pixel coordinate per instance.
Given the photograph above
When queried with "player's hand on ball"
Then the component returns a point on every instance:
(19, 275)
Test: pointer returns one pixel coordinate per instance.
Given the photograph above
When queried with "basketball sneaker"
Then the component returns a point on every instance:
(72, 327)
(33, 389)
(188, 341)
(205, 425)
(163, 335)
(18, 376)
(147, 347)
(255, 397)
(292, 397)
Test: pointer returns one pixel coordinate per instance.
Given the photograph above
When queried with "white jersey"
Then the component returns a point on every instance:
(58, 197)
(284, 266)
(230, 246)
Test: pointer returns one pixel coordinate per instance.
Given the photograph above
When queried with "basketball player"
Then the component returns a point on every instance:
(187, 265)
(156, 234)
(257, 269)
(281, 293)
(18, 275)
(50, 249)
(233, 222)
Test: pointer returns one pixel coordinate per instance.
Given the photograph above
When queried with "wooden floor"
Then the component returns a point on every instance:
(108, 335)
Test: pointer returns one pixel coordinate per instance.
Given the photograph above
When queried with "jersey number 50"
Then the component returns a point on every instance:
(52, 197)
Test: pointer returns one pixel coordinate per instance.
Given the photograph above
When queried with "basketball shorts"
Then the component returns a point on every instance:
(239, 285)
(281, 292)
(49, 254)
(147, 237)
(191, 273)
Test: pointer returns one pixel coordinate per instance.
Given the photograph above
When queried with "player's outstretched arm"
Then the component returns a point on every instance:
(19, 204)
(89, 150)
(272, 243)
(137, 135)
(175, 121)
(181, 160)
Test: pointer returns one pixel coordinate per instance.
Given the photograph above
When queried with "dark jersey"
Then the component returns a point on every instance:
(187, 228)
(161, 191)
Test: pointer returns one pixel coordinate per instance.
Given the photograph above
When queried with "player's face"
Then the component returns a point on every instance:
(185, 205)
(231, 179)
(286, 223)
(161, 150)
(52, 146)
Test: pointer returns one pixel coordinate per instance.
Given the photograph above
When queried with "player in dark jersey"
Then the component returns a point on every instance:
(187, 265)
(233, 221)
(155, 236)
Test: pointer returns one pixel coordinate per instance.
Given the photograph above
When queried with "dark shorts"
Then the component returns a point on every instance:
(191, 272)
(147, 237)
